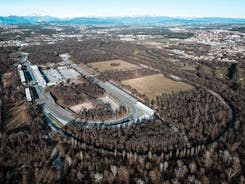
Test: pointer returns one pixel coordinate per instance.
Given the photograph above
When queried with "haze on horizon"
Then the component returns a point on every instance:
(106, 8)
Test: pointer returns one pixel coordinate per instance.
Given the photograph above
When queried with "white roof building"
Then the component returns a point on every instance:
(22, 77)
(28, 94)
(38, 76)
(19, 67)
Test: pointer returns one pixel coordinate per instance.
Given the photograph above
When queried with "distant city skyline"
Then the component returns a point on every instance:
(107, 8)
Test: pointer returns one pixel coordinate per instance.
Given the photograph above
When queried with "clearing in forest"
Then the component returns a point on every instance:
(156, 85)
(113, 65)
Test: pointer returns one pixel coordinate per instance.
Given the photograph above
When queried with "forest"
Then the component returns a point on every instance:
(7, 59)
(102, 112)
(196, 122)
(125, 75)
(158, 31)
(197, 114)
(87, 51)
(74, 93)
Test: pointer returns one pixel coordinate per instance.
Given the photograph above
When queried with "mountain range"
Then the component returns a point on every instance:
(119, 20)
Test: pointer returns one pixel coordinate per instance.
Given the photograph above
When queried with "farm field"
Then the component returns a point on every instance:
(113, 65)
(155, 85)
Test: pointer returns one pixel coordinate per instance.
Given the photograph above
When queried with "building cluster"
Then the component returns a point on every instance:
(216, 37)
(222, 47)
(59, 74)
(131, 37)
(23, 81)
(12, 43)
(226, 54)
(53, 76)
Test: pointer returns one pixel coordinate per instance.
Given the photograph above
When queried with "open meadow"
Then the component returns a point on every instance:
(113, 65)
(156, 85)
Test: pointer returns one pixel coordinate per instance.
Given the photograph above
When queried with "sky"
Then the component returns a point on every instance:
(105, 8)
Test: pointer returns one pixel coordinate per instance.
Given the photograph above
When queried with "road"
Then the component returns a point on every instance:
(53, 110)
(64, 116)
(119, 95)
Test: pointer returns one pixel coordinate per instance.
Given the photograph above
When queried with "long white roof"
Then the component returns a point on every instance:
(28, 94)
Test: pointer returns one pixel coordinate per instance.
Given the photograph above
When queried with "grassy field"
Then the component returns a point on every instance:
(113, 65)
(16, 117)
(155, 85)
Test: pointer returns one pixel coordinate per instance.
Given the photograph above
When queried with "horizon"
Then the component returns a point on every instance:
(129, 16)
(127, 8)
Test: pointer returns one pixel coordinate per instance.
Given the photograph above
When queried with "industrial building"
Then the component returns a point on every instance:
(62, 73)
(22, 76)
(53, 76)
(28, 94)
(68, 73)
(38, 76)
